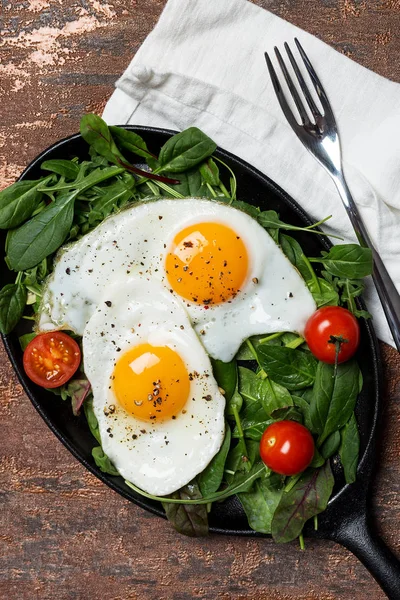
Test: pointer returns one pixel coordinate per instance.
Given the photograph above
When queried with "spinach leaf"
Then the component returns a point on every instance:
(226, 376)
(42, 235)
(97, 134)
(323, 292)
(307, 498)
(304, 407)
(289, 413)
(237, 461)
(190, 520)
(12, 304)
(269, 394)
(210, 479)
(185, 150)
(261, 501)
(291, 368)
(334, 397)
(66, 168)
(209, 172)
(131, 141)
(18, 202)
(347, 260)
(190, 184)
(294, 252)
(318, 460)
(25, 339)
(91, 418)
(349, 449)
(331, 445)
(103, 462)
(254, 420)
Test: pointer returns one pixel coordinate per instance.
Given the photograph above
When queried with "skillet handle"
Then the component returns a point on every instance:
(356, 534)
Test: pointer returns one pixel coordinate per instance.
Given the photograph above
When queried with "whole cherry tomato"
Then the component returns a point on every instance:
(331, 330)
(287, 447)
(50, 359)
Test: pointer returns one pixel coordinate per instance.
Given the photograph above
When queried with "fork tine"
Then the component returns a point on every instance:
(316, 82)
(292, 88)
(313, 107)
(280, 95)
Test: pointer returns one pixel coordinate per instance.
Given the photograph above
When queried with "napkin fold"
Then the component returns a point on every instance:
(203, 65)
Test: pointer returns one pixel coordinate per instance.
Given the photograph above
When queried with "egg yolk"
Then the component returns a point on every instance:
(207, 263)
(151, 382)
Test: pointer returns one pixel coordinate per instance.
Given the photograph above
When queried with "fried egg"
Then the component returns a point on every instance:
(225, 269)
(159, 408)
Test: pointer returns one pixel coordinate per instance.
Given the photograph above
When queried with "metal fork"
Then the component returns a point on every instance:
(321, 139)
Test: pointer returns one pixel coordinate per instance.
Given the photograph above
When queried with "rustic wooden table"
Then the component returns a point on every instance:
(64, 535)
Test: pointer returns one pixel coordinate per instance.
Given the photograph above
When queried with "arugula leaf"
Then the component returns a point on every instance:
(185, 150)
(307, 498)
(261, 501)
(18, 202)
(91, 418)
(349, 449)
(269, 394)
(190, 520)
(334, 397)
(210, 479)
(350, 261)
(288, 367)
(42, 235)
(114, 195)
(66, 168)
(103, 462)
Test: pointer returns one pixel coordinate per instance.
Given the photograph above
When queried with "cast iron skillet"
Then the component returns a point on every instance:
(346, 520)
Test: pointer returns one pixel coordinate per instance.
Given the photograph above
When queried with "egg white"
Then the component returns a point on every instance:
(157, 457)
(274, 297)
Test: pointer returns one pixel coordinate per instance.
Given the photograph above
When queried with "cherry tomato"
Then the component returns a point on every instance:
(287, 447)
(50, 359)
(329, 327)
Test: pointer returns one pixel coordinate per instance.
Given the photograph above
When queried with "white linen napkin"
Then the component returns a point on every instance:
(203, 65)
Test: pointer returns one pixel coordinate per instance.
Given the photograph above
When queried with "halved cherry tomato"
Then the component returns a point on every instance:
(287, 447)
(331, 328)
(50, 359)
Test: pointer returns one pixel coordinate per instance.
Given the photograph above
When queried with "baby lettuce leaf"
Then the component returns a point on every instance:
(103, 462)
(66, 168)
(12, 304)
(290, 368)
(18, 201)
(307, 498)
(334, 397)
(210, 479)
(188, 519)
(260, 502)
(350, 261)
(42, 235)
(185, 150)
(349, 449)
(269, 394)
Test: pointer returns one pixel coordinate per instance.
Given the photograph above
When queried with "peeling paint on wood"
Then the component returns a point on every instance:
(63, 534)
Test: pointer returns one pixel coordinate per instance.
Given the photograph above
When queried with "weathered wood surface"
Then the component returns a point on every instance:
(63, 534)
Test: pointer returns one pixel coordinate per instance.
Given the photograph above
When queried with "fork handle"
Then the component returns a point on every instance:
(387, 292)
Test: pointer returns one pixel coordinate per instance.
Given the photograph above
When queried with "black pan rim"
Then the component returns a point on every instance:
(366, 463)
